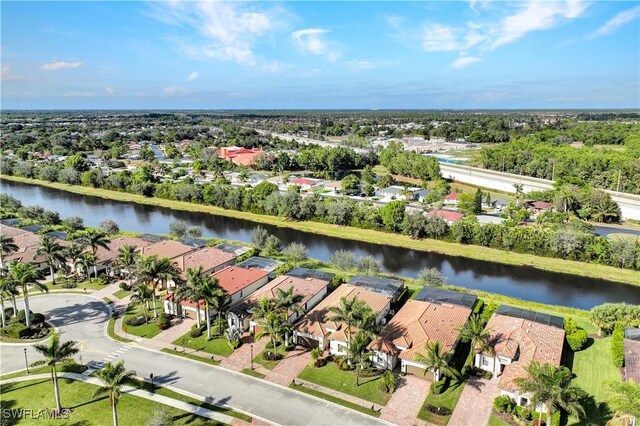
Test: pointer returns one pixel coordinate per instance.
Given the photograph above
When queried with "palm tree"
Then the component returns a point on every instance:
(551, 386)
(113, 377)
(348, 311)
(95, 240)
(23, 275)
(74, 254)
(263, 307)
(191, 289)
(519, 190)
(358, 351)
(624, 399)
(287, 301)
(274, 327)
(7, 245)
(54, 254)
(154, 270)
(126, 259)
(216, 298)
(605, 210)
(437, 360)
(9, 289)
(56, 353)
(142, 294)
(473, 331)
(86, 260)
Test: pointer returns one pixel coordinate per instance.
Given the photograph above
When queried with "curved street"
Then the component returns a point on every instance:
(83, 319)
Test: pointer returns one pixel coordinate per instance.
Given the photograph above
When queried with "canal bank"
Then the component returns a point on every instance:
(509, 278)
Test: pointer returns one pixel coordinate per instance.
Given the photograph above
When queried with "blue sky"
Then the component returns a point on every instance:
(356, 54)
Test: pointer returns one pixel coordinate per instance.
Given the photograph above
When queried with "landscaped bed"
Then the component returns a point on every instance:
(330, 376)
(217, 346)
(263, 358)
(148, 329)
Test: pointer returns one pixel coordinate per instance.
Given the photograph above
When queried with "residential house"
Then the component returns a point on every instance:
(632, 354)
(449, 216)
(436, 316)
(334, 187)
(211, 259)
(256, 262)
(316, 329)
(396, 192)
(519, 337)
(106, 256)
(312, 290)
(451, 199)
(239, 156)
(540, 206)
(387, 286)
(421, 195)
(305, 184)
(166, 248)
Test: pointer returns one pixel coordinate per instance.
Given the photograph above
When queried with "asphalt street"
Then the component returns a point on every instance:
(84, 319)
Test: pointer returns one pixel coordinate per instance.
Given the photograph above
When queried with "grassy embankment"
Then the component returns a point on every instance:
(365, 235)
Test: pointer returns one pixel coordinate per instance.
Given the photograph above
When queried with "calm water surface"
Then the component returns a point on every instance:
(516, 281)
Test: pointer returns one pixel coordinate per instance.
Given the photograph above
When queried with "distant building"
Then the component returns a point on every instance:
(448, 215)
(239, 156)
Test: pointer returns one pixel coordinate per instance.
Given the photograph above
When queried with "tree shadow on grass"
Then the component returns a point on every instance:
(22, 385)
(88, 402)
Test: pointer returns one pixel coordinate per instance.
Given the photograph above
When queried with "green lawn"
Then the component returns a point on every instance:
(77, 396)
(448, 399)
(592, 368)
(121, 294)
(335, 400)
(216, 346)
(497, 421)
(147, 330)
(253, 373)
(270, 365)
(112, 333)
(63, 368)
(191, 356)
(330, 376)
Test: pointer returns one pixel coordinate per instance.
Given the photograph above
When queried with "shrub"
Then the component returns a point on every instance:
(488, 310)
(124, 286)
(28, 332)
(9, 312)
(617, 345)
(577, 340)
(555, 418)
(196, 332)
(36, 318)
(69, 284)
(606, 316)
(389, 381)
(21, 317)
(163, 321)
(570, 326)
(14, 329)
(440, 411)
(503, 404)
(136, 321)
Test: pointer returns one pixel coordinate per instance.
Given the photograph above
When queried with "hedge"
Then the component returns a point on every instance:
(617, 346)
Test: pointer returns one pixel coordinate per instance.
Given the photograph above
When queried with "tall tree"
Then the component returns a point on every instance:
(473, 331)
(551, 386)
(56, 353)
(143, 295)
(153, 271)
(54, 253)
(624, 400)
(349, 311)
(25, 275)
(437, 360)
(73, 253)
(8, 288)
(126, 260)
(95, 240)
(113, 378)
(7, 246)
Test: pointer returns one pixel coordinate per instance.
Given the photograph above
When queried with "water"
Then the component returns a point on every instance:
(516, 281)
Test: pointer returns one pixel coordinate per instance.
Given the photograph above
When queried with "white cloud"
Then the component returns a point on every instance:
(616, 22)
(361, 65)
(314, 42)
(535, 16)
(109, 91)
(440, 38)
(174, 91)
(225, 31)
(6, 74)
(192, 76)
(60, 65)
(463, 61)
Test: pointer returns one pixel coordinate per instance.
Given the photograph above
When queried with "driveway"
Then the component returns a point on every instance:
(83, 318)
(476, 402)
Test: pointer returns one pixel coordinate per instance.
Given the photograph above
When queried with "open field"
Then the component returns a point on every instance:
(369, 236)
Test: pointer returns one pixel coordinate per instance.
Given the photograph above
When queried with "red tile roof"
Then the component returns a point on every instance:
(447, 215)
(207, 257)
(11, 231)
(112, 252)
(166, 248)
(452, 196)
(233, 279)
(632, 360)
(542, 205)
(303, 181)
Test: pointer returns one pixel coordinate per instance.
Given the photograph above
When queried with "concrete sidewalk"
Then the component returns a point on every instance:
(180, 405)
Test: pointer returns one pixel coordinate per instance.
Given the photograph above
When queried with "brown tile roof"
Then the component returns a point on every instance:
(531, 340)
(233, 279)
(11, 231)
(26, 255)
(207, 257)
(316, 321)
(632, 360)
(26, 240)
(167, 248)
(418, 323)
(105, 255)
(306, 287)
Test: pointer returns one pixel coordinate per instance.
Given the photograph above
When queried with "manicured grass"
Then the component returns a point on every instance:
(112, 333)
(330, 376)
(335, 400)
(593, 367)
(90, 284)
(121, 294)
(253, 373)
(191, 356)
(10, 339)
(376, 237)
(77, 396)
(62, 368)
(216, 346)
(147, 330)
(497, 421)
(270, 365)
(160, 390)
(448, 399)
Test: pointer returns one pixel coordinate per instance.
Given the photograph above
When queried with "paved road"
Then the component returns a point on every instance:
(83, 318)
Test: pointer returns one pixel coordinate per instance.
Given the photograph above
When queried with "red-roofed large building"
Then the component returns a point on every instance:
(239, 156)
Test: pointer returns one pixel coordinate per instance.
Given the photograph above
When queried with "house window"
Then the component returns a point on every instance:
(342, 348)
(485, 361)
(524, 402)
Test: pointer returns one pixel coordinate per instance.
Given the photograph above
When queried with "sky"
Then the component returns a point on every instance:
(320, 55)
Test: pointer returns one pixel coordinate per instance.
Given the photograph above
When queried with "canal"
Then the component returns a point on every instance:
(515, 281)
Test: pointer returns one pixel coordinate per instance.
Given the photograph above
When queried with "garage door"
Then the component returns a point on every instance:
(188, 313)
(306, 341)
(419, 372)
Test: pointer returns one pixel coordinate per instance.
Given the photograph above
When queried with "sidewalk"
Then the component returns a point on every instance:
(184, 406)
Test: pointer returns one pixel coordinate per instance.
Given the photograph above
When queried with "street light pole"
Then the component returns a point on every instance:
(25, 360)
(251, 348)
